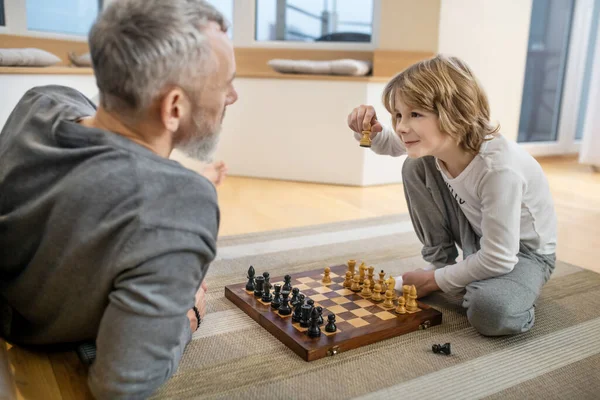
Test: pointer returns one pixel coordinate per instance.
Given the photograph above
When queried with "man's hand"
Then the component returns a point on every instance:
(423, 280)
(200, 305)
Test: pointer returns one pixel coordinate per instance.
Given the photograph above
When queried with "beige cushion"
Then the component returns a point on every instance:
(332, 67)
(27, 58)
(82, 60)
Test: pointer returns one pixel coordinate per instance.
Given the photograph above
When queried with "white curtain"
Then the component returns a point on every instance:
(590, 144)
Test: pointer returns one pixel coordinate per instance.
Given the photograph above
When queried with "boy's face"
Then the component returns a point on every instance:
(420, 132)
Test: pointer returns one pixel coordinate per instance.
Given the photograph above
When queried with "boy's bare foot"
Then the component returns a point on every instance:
(215, 172)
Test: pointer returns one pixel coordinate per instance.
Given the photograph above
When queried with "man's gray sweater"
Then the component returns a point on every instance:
(100, 239)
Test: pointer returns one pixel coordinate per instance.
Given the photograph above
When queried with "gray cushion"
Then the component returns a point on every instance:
(82, 60)
(333, 67)
(27, 58)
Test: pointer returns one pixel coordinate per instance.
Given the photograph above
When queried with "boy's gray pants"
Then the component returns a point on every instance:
(502, 305)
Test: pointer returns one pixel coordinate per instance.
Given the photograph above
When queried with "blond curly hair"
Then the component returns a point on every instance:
(447, 87)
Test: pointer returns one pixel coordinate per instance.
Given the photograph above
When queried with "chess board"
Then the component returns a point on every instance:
(359, 321)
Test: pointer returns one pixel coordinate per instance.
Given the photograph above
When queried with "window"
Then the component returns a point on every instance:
(2, 23)
(71, 17)
(226, 8)
(314, 20)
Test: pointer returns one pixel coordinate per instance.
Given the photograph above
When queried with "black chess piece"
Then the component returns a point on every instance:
(331, 326)
(310, 302)
(267, 296)
(250, 284)
(305, 316)
(287, 283)
(314, 330)
(441, 348)
(294, 300)
(284, 308)
(276, 302)
(298, 309)
(320, 310)
(259, 284)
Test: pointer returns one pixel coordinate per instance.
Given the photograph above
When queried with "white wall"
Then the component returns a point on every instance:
(297, 130)
(14, 87)
(491, 36)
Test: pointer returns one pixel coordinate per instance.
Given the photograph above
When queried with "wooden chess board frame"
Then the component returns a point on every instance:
(376, 324)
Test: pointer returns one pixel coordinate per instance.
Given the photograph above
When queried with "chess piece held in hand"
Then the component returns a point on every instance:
(366, 139)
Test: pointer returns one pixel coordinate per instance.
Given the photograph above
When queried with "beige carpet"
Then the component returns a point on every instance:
(232, 357)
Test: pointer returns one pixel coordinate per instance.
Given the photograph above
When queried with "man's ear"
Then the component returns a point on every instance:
(173, 108)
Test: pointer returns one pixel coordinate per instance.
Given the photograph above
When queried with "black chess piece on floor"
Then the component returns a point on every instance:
(294, 300)
(276, 302)
(441, 348)
(267, 297)
(330, 327)
(284, 308)
(251, 273)
(320, 310)
(287, 283)
(314, 330)
(259, 283)
(305, 318)
(298, 309)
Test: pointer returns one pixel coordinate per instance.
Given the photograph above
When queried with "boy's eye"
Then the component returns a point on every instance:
(398, 116)
(415, 115)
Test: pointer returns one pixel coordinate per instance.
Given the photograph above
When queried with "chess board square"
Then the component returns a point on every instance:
(344, 292)
(322, 289)
(331, 295)
(363, 303)
(335, 286)
(360, 312)
(357, 322)
(325, 303)
(314, 284)
(372, 319)
(306, 279)
(297, 326)
(337, 309)
(340, 300)
(318, 297)
(302, 287)
(338, 330)
(345, 315)
(373, 309)
(343, 325)
(385, 315)
(351, 306)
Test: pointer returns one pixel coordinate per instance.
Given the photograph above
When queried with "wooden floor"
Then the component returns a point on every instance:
(252, 205)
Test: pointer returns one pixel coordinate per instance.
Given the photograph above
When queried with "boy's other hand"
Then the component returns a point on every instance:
(423, 280)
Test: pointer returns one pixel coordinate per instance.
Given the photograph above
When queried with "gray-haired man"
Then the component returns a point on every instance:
(102, 237)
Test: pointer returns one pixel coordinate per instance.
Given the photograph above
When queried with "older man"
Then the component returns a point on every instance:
(102, 237)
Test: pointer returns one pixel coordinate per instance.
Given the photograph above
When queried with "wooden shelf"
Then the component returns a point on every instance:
(47, 70)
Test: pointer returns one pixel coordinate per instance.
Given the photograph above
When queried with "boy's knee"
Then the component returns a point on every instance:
(496, 316)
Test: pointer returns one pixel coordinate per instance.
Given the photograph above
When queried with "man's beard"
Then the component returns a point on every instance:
(202, 142)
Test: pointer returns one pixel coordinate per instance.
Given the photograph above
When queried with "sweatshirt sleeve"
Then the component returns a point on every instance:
(501, 197)
(145, 328)
(386, 142)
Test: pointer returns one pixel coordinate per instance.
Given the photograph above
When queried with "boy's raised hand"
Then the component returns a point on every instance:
(364, 118)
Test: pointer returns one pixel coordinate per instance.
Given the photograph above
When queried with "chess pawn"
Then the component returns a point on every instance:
(371, 278)
(411, 304)
(259, 283)
(250, 284)
(284, 308)
(351, 265)
(294, 298)
(314, 330)
(348, 280)
(366, 139)
(276, 297)
(326, 276)
(389, 299)
(287, 284)
(401, 309)
(356, 284)
(366, 290)
(376, 293)
(443, 348)
(330, 327)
